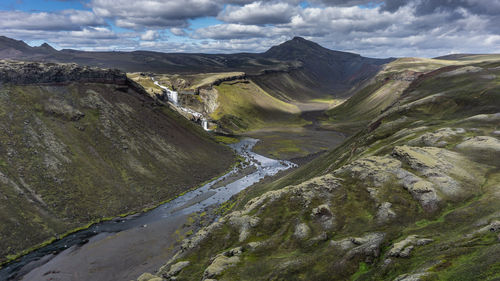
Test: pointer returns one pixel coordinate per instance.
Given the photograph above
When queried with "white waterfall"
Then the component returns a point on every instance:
(204, 124)
(173, 97)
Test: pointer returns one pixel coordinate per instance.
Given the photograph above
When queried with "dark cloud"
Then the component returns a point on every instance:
(139, 14)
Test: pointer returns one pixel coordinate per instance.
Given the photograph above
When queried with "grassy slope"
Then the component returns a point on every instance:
(244, 106)
(72, 154)
(379, 93)
(458, 250)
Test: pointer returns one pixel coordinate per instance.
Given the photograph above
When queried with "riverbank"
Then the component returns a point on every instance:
(145, 240)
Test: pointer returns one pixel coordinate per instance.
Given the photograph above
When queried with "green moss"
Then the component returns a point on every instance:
(363, 268)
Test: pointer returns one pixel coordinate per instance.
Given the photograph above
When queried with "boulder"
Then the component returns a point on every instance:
(176, 268)
(302, 231)
(403, 248)
(385, 213)
(221, 262)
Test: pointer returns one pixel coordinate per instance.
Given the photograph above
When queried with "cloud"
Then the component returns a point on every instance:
(259, 13)
(141, 14)
(423, 7)
(370, 27)
(178, 31)
(233, 31)
(150, 35)
(63, 20)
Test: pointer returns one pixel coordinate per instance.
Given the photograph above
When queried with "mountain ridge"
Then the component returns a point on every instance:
(297, 69)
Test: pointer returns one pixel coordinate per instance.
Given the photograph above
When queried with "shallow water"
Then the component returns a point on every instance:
(126, 232)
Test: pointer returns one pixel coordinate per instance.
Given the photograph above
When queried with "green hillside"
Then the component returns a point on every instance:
(413, 194)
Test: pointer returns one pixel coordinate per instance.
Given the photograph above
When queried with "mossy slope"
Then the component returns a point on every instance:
(414, 195)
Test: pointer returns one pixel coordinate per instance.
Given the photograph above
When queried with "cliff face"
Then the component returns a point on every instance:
(413, 195)
(79, 144)
(45, 73)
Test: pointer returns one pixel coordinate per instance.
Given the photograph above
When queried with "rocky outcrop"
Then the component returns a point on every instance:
(367, 247)
(221, 262)
(23, 73)
(438, 138)
(378, 171)
(149, 277)
(480, 144)
(176, 269)
(385, 213)
(403, 248)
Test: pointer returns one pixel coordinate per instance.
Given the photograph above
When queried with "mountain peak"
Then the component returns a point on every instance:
(46, 47)
(298, 48)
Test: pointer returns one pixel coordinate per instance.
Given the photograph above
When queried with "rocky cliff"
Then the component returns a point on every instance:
(23, 73)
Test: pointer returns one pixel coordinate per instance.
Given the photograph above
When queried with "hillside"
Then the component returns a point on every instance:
(413, 195)
(295, 70)
(81, 144)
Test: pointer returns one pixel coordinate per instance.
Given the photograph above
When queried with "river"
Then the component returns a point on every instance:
(124, 248)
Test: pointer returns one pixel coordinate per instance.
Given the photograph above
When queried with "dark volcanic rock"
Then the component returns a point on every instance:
(23, 73)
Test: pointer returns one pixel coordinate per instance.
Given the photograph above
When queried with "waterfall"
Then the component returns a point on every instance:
(172, 96)
(204, 124)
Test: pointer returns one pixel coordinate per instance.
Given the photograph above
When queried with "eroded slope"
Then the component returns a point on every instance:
(81, 144)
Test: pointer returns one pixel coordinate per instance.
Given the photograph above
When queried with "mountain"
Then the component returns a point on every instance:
(413, 194)
(295, 70)
(80, 144)
(320, 70)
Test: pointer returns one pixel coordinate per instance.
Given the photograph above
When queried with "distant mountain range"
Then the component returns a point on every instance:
(297, 69)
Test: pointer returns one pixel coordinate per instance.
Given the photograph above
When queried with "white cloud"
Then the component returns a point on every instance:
(259, 13)
(150, 35)
(63, 20)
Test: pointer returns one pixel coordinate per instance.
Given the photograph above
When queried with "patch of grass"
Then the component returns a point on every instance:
(226, 139)
(363, 268)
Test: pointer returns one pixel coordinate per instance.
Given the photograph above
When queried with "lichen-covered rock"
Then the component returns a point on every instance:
(481, 144)
(324, 215)
(176, 268)
(378, 171)
(221, 262)
(484, 118)
(385, 213)
(404, 247)
(439, 166)
(244, 223)
(149, 277)
(302, 231)
(437, 138)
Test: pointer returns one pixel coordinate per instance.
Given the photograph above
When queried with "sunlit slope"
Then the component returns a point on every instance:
(245, 106)
(382, 91)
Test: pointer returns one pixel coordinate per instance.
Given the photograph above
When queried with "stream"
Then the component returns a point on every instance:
(123, 248)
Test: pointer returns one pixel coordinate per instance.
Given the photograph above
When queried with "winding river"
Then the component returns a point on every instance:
(123, 248)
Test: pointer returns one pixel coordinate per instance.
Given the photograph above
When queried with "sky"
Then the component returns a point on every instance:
(382, 28)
